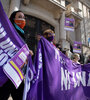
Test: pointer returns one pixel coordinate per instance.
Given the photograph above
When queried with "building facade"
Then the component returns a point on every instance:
(43, 14)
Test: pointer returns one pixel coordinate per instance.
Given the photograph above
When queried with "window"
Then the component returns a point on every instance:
(33, 27)
(67, 2)
(63, 3)
(84, 11)
(80, 5)
(88, 13)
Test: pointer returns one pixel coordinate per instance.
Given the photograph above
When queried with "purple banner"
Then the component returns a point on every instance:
(56, 77)
(69, 24)
(13, 68)
(86, 68)
(29, 76)
(10, 43)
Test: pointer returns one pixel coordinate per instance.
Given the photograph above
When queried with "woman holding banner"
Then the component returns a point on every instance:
(17, 18)
(49, 35)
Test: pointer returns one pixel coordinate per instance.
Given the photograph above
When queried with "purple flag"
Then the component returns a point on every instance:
(56, 77)
(86, 68)
(29, 76)
(10, 43)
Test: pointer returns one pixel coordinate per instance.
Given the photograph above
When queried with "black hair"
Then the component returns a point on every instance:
(64, 52)
(13, 16)
(58, 46)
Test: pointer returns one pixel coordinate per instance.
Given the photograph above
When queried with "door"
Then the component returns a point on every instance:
(34, 26)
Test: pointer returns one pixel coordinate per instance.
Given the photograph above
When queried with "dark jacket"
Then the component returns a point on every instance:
(20, 31)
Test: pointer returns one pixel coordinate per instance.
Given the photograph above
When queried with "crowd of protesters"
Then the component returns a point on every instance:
(17, 19)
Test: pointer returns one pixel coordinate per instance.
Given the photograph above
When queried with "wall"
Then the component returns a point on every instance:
(78, 34)
(6, 4)
(42, 13)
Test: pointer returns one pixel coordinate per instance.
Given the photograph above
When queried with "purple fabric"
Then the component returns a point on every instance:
(86, 68)
(56, 77)
(29, 76)
(10, 42)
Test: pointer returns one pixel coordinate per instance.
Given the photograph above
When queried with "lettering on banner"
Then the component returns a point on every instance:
(76, 79)
(7, 48)
(39, 66)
